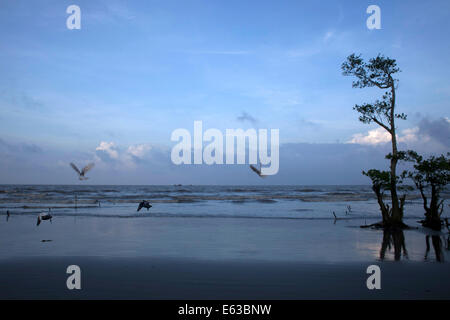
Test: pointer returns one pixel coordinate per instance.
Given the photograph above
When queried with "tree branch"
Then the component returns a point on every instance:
(379, 85)
(381, 124)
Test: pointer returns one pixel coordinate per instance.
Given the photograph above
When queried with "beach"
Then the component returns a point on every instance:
(224, 150)
(215, 258)
(165, 278)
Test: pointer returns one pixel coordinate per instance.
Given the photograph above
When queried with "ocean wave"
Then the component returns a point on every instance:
(340, 193)
(308, 190)
(266, 200)
(114, 195)
(263, 198)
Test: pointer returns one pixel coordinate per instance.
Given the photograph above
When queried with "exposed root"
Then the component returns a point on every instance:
(388, 226)
(434, 224)
(378, 225)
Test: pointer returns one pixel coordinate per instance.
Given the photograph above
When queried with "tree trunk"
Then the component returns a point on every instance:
(384, 210)
(433, 203)
(397, 214)
(432, 214)
(424, 198)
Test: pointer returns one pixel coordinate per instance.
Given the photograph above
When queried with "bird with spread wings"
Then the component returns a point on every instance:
(257, 171)
(83, 171)
(144, 204)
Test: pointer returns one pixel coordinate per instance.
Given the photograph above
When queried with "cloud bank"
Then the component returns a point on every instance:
(429, 136)
(145, 163)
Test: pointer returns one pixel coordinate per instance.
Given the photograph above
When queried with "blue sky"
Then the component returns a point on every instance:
(137, 70)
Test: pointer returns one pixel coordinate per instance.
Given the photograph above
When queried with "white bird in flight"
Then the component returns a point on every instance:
(44, 216)
(83, 171)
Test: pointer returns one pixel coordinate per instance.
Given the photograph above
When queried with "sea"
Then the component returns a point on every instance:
(203, 201)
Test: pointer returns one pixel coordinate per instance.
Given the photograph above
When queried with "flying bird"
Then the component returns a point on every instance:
(83, 171)
(44, 216)
(258, 171)
(144, 204)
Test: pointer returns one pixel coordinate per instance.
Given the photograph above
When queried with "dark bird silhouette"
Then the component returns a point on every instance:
(257, 171)
(44, 216)
(144, 204)
(7, 215)
(83, 171)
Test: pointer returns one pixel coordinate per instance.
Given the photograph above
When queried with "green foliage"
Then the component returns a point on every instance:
(431, 175)
(382, 179)
(401, 155)
(379, 178)
(377, 72)
(432, 172)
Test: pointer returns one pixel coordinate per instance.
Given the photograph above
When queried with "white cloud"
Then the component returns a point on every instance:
(140, 150)
(427, 136)
(380, 136)
(373, 137)
(411, 135)
(109, 148)
(109, 154)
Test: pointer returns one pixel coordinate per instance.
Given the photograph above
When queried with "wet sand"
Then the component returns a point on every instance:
(158, 278)
(216, 258)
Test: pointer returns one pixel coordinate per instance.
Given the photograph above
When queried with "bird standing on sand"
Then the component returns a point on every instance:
(44, 216)
(144, 204)
(7, 215)
(258, 171)
(83, 171)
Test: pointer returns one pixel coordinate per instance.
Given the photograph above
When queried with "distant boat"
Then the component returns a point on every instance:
(83, 171)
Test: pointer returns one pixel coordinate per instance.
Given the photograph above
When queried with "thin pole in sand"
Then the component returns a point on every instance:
(335, 218)
(76, 207)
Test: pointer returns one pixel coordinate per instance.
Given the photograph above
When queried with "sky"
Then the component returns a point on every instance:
(113, 91)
